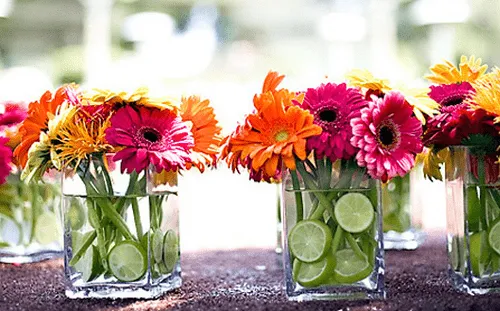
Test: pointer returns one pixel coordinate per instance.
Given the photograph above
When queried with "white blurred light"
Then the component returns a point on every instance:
(6, 7)
(427, 12)
(23, 84)
(348, 27)
(147, 26)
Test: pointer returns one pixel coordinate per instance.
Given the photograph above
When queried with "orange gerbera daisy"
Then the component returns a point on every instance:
(39, 114)
(275, 134)
(269, 90)
(205, 130)
(469, 71)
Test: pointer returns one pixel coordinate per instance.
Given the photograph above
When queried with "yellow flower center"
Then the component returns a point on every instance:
(281, 136)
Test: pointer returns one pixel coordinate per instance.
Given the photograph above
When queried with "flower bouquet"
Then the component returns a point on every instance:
(29, 222)
(465, 136)
(330, 146)
(119, 155)
(401, 213)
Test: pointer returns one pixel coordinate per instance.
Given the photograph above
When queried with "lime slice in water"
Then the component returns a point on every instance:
(157, 245)
(47, 228)
(316, 273)
(354, 212)
(310, 240)
(350, 268)
(76, 214)
(494, 237)
(10, 231)
(478, 252)
(170, 250)
(128, 261)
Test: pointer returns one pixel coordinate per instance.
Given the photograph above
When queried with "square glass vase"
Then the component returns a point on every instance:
(473, 220)
(331, 249)
(30, 221)
(121, 231)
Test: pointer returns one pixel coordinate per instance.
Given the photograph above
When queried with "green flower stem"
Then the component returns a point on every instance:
(137, 218)
(152, 213)
(298, 195)
(337, 238)
(35, 206)
(320, 164)
(101, 246)
(482, 193)
(318, 212)
(109, 183)
(114, 217)
(354, 246)
(312, 212)
(86, 244)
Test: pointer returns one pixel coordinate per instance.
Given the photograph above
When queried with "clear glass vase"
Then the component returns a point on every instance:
(279, 223)
(30, 222)
(333, 240)
(473, 220)
(121, 231)
(402, 220)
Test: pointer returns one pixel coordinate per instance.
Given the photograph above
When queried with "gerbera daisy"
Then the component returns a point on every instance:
(39, 114)
(271, 135)
(13, 114)
(205, 130)
(487, 95)
(270, 93)
(5, 160)
(469, 71)
(423, 105)
(149, 136)
(388, 136)
(365, 80)
(333, 107)
(139, 97)
(451, 96)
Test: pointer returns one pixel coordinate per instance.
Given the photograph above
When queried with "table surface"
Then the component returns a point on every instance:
(250, 279)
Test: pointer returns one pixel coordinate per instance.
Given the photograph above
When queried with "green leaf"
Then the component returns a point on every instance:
(480, 144)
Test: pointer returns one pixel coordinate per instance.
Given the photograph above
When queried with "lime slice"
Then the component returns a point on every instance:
(88, 265)
(10, 231)
(478, 252)
(316, 273)
(128, 261)
(146, 240)
(295, 269)
(47, 228)
(170, 250)
(162, 268)
(76, 214)
(354, 212)
(494, 237)
(157, 245)
(350, 268)
(310, 240)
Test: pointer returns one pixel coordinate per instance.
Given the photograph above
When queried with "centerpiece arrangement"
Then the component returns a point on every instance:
(402, 219)
(29, 225)
(465, 136)
(330, 145)
(119, 155)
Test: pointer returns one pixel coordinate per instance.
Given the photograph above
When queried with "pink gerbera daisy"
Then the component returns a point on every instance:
(12, 115)
(333, 107)
(5, 160)
(388, 136)
(451, 96)
(150, 136)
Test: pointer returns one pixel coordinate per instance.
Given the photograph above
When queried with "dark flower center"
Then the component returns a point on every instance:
(453, 100)
(151, 135)
(386, 135)
(328, 115)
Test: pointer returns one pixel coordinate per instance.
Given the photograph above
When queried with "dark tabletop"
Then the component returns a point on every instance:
(250, 279)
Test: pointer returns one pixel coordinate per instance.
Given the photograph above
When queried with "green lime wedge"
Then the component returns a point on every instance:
(170, 250)
(354, 212)
(88, 265)
(309, 240)
(157, 245)
(10, 231)
(350, 268)
(478, 252)
(128, 261)
(316, 273)
(76, 214)
(494, 237)
(47, 228)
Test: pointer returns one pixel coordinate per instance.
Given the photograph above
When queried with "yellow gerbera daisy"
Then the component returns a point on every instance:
(470, 69)
(364, 79)
(138, 97)
(487, 95)
(419, 99)
(432, 162)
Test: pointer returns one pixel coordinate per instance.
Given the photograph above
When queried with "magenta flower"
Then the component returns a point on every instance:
(5, 159)
(149, 136)
(333, 107)
(388, 136)
(12, 115)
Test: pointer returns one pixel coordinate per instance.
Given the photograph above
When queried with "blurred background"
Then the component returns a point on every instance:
(222, 50)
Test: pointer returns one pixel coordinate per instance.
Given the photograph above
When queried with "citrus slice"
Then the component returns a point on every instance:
(10, 231)
(88, 265)
(310, 240)
(76, 214)
(128, 261)
(350, 268)
(494, 237)
(47, 228)
(157, 245)
(170, 250)
(316, 273)
(354, 212)
(478, 252)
